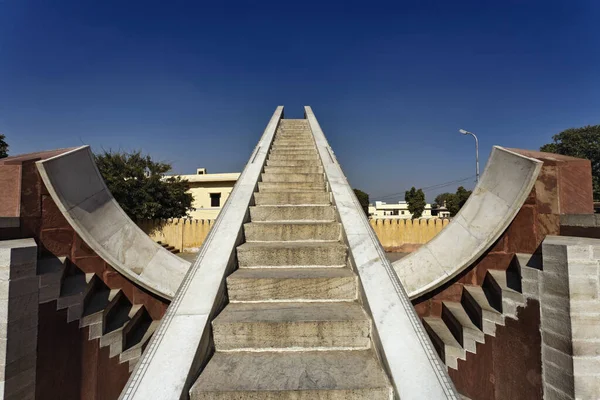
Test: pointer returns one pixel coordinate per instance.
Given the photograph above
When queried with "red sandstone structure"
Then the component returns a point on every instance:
(487, 323)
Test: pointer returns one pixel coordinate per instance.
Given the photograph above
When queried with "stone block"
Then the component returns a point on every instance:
(583, 267)
(586, 348)
(554, 258)
(22, 364)
(24, 323)
(586, 366)
(20, 383)
(17, 307)
(557, 341)
(584, 307)
(554, 285)
(586, 326)
(576, 253)
(558, 378)
(18, 346)
(587, 387)
(583, 288)
(530, 289)
(18, 287)
(558, 358)
(556, 321)
(551, 393)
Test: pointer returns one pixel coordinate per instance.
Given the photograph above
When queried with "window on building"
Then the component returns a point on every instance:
(215, 199)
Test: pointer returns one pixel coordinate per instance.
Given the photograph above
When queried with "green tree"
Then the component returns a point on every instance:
(363, 199)
(455, 201)
(139, 186)
(416, 202)
(583, 143)
(442, 197)
(3, 147)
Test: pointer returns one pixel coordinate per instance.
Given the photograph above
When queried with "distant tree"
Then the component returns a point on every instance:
(363, 199)
(441, 198)
(583, 143)
(138, 184)
(416, 202)
(3, 147)
(455, 201)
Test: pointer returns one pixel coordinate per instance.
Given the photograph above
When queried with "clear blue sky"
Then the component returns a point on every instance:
(194, 83)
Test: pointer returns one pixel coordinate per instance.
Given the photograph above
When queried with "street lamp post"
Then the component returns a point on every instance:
(476, 151)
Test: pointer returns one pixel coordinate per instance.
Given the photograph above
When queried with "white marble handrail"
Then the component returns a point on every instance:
(413, 365)
(182, 342)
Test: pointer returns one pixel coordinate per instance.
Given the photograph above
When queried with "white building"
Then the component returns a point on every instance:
(383, 210)
(210, 191)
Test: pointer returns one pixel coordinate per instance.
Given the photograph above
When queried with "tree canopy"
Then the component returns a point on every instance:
(416, 202)
(3, 147)
(363, 199)
(455, 201)
(441, 198)
(583, 143)
(138, 184)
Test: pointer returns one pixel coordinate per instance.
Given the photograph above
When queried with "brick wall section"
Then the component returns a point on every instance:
(18, 319)
(570, 317)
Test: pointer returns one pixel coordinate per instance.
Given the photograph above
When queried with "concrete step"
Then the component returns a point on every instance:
(293, 170)
(294, 163)
(277, 326)
(324, 375)
(51, 272)
(289, 284)
(445, 343)
(287, 153)
(308, 145)
(95, 305)
(74, 292)
(115, 318)
(267, 231)
(296, 157)
(281, 254)
(137, 339)
(292, 198)
(293, 177)
(293, 186)
(124, 317)
(481, 312)
(509, 298)
(293, 213)
(471, 334)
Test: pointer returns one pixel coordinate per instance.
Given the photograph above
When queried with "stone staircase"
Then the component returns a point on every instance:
(168, 247)
(481, 308)
(123, 327)
(294, 327)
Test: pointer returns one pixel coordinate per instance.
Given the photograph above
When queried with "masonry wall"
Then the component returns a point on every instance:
(395, 235)
(69, 365)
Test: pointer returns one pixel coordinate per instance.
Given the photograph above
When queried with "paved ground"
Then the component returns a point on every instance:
(191, 257)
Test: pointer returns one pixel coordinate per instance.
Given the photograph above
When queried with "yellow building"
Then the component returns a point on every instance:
(210, 192)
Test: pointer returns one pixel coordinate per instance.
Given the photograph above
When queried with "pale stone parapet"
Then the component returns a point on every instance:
(182, 343)
(18, 318)
(78, 189)
(504, 186)
(413, 365)
(570, 317)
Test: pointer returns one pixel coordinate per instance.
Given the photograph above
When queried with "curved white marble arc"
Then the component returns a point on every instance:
(503, 188)
(77, 188)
